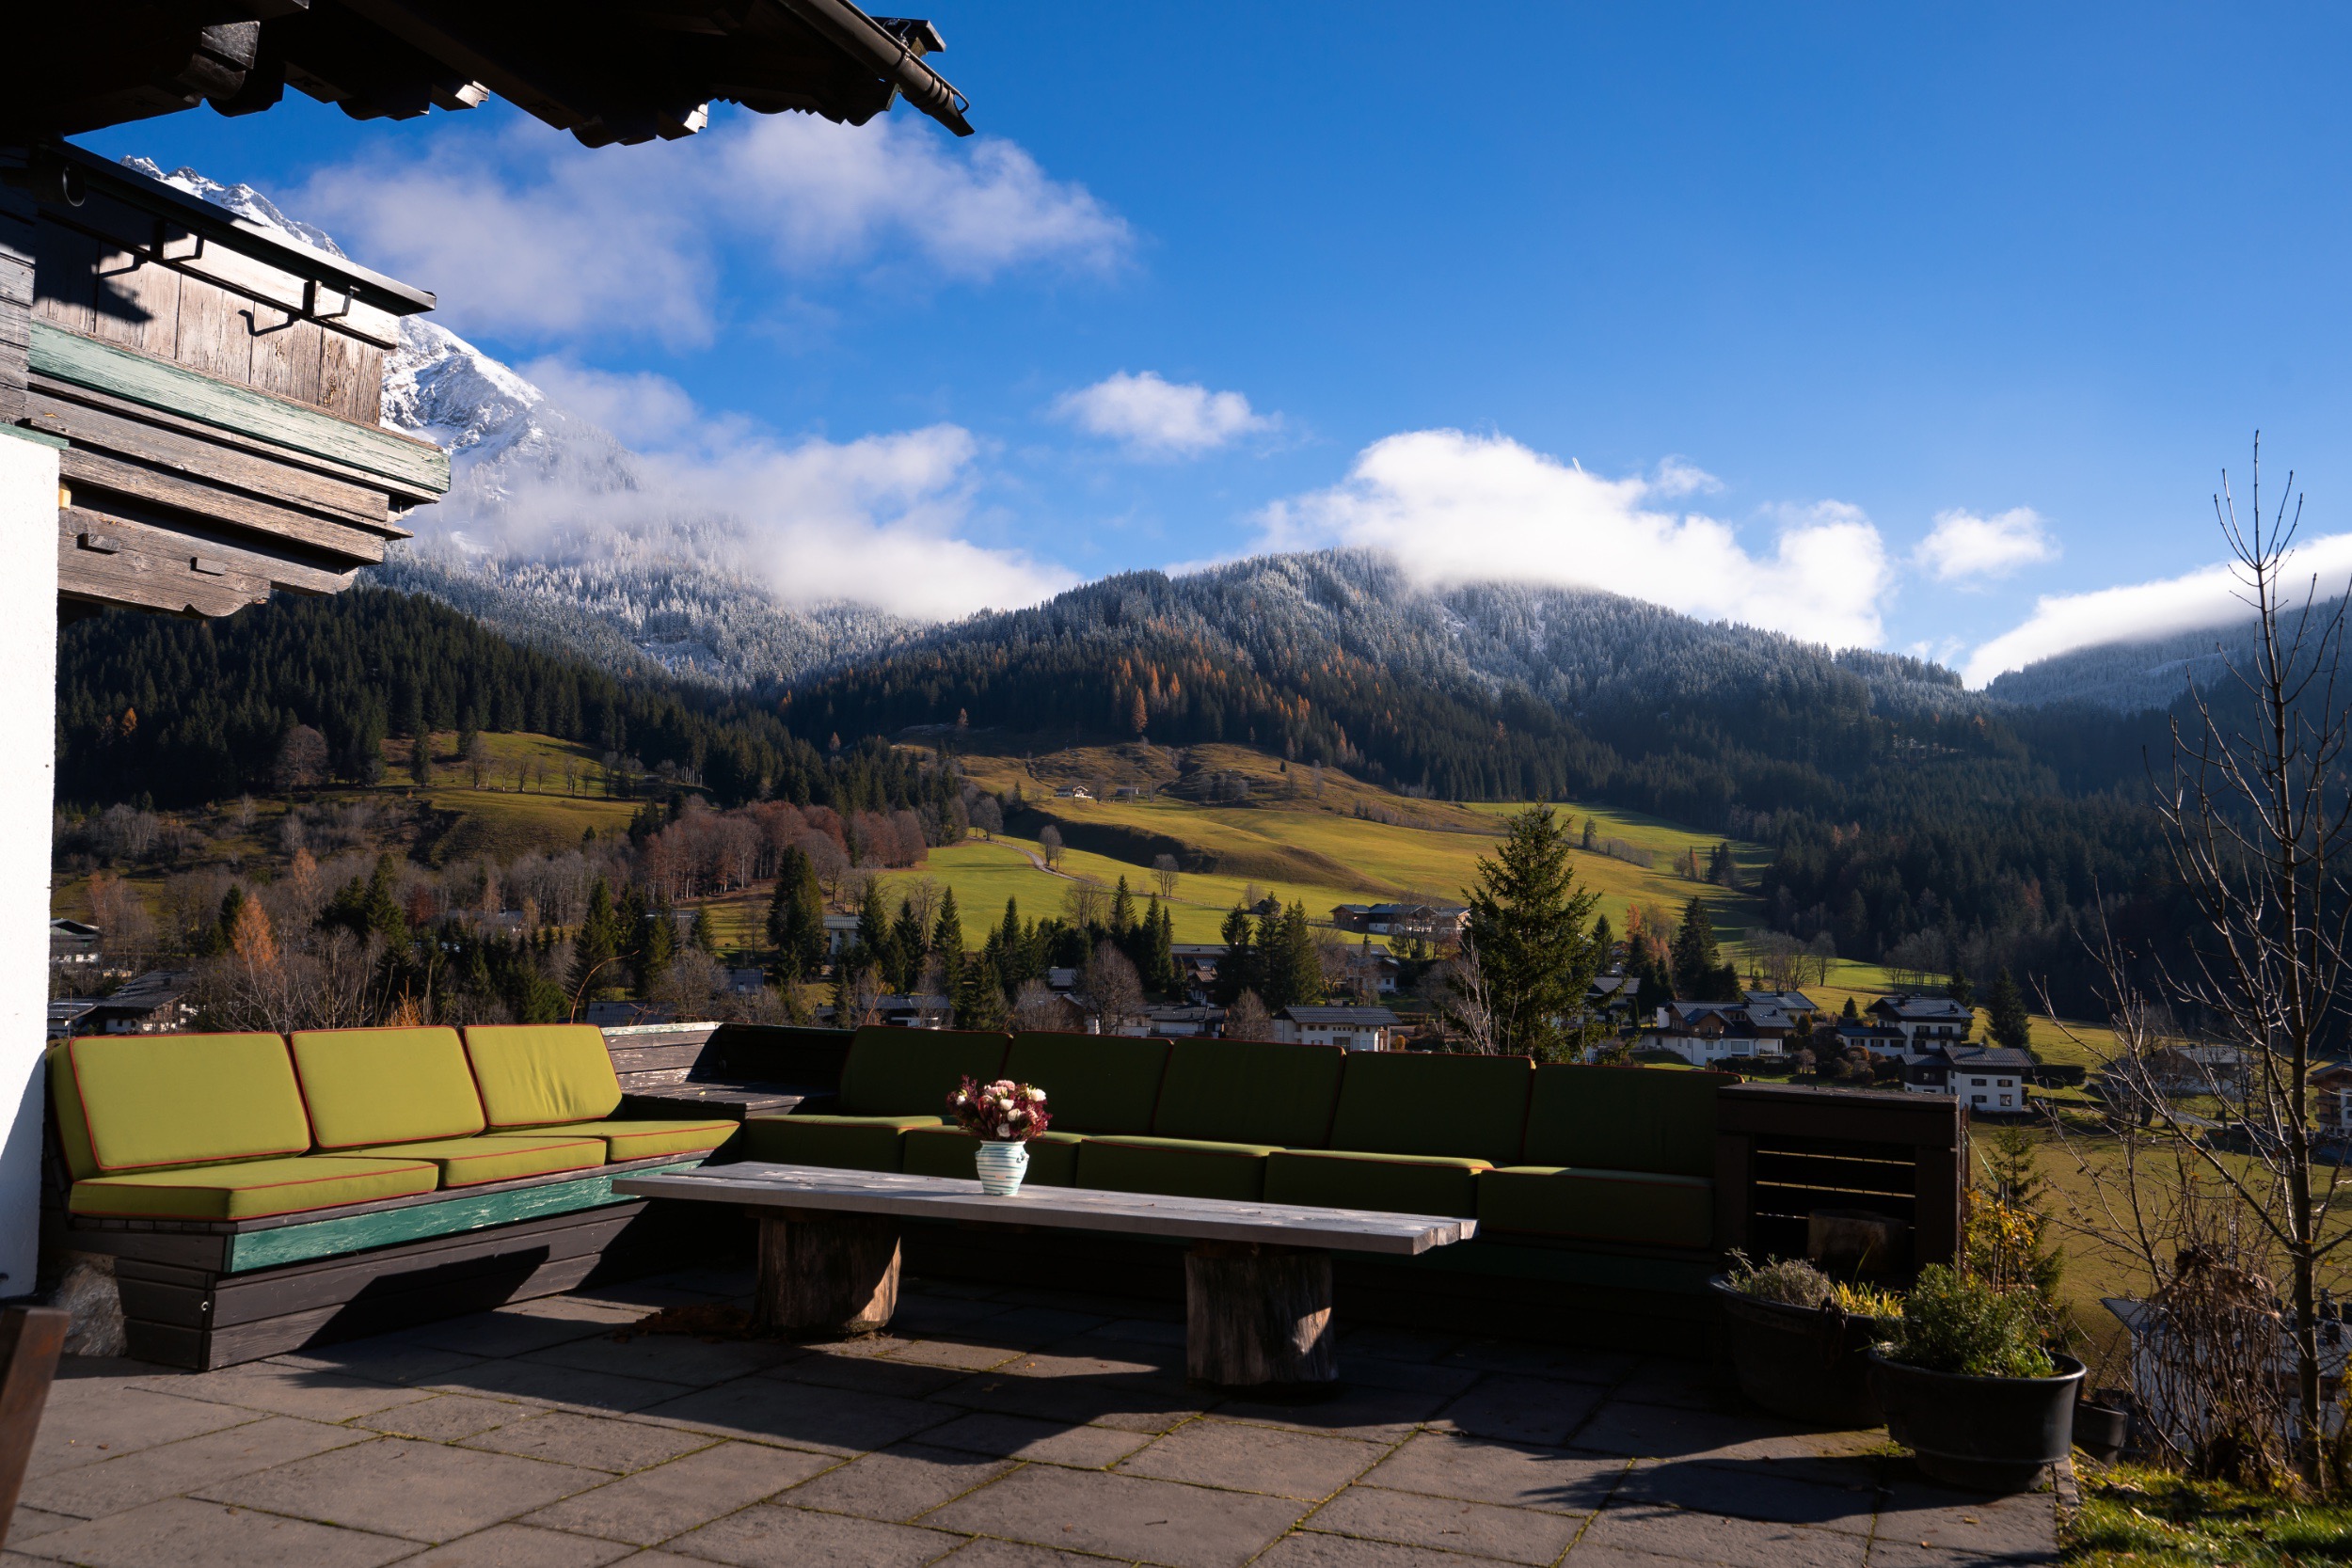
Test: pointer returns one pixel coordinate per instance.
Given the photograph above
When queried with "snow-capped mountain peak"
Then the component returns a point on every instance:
(242, 199)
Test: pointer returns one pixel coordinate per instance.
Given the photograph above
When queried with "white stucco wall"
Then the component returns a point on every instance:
(28, 697)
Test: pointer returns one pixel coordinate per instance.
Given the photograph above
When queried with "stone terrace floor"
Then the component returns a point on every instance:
(997, 1428)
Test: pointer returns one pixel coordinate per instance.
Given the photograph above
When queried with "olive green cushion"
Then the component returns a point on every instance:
(895, 1073)
(1181, 1168)
(841, 1143)
(536, 1074)
(1249, 1092)
(948, 1152)
(1398, 1183)
(498, 1156)
(146, 1102)
(384, 1086)
(1623, 1118)
(1092, 1083)
(252, 1189)
(1424, 1102)
(642, 1140)
(1635, 1207)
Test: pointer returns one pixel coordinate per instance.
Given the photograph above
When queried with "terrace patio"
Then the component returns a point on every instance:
(994, 1428)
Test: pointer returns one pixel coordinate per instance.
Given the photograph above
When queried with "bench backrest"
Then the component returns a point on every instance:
(1652, 1120)
(384, 1086)
(1092, 1083)
(130, 1102)
(1421, 1102)
(538, 1074)
(1249, 1092)
(911, 1072)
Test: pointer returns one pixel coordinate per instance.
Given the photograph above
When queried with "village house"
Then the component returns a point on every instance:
(1926, 1022)
(1882, 1040)
(1186, 1022)
(1705, 1033)
(1795, 1004)
(1428, 922)
(1992, 1079)
(73, 945)
(840, 934)
(154, 1003)
(1349, 1028)
(2332, 1085)
(1196, 962)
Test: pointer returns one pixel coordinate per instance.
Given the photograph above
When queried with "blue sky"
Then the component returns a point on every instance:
(1927, 328)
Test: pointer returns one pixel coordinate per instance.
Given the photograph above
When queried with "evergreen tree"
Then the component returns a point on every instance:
(1604, 939)
(909, 944)
(1237, 966)
(1852, 1013)
(1700, 974)
(596, 946)
(1122, 912)
(796, 919)
(2005, 1014)
(877, 950)
(224, 928)
(1290, 970)
(1721, 868)
(1959, 989)
(979, 1002)
(1158, 965)
(420, 759)
(1531, 926)
(705, 936)
(948, 942)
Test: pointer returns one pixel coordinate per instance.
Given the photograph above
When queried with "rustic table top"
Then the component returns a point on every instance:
(757, 1185)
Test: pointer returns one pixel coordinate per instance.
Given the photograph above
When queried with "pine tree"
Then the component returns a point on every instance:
(948, 942)
(421, 760)
(1237, 966)
(909, 944)
(1290, 971)
(796, 919)
(1531, 926)
(1122, 912)
(1959, 989)
(597, 945)
(1700, 974)
(2005, 1014)
(705, 935)
(876, 948)
(1159, 968)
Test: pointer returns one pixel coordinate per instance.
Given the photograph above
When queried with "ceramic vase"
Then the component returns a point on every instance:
(1001, 1167)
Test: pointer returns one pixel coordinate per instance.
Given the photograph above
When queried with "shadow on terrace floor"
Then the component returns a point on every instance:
(992, 1428)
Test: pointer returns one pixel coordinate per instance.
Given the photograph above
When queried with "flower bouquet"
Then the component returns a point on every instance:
(1004, 1116)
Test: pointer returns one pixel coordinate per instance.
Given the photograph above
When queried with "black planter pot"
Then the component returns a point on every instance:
(2101, 1430)
(1986, 1433)
(1802, 1362)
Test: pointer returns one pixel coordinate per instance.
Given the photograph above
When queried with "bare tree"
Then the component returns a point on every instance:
(2258, 815)
(1112, 988)
(478, 760)
(1037, 1007)
(1470, 1005)
(1164, 875)
(1247, 1019)
(301, 762)
(1088, 904)
(1049, 846)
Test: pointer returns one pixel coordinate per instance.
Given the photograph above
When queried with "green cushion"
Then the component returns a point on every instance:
(1398, 1183)
(893, 1073)
(252, 1189)
(1092, 1083)
(1637, 1207)
(1249, 1092)
(1422, 1102)
(72, 1132)
(841, 1143)
(153, 1101)
(948, 1150)
(642, 1140)
(1624, 1118)
(498, 1156)
(1181, 1168)
(536, 1074)
(384, 1086)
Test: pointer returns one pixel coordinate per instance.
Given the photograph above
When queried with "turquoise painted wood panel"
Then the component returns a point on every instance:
(103, 368)
(300, 1243)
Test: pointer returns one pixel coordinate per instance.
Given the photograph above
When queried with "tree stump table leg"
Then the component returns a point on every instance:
(1258, 1315)
(825, 1275)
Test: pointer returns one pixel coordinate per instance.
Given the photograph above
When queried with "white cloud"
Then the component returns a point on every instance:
(1153, 418)
(1458, 508)
(2209, 596)
(526, 236)
(1963, 545)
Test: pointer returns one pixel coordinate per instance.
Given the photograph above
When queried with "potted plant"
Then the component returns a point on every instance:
(1968, 1387)
(1799, 1340)
(1004, 1116)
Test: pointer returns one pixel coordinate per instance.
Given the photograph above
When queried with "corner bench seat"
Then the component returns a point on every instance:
(250, 1189)
(497, 1156)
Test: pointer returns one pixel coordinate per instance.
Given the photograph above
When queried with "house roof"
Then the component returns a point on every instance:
(1787, 1001)
(1380, 1017)
(605, 73)
(1923, 1009)
(1988, 1057)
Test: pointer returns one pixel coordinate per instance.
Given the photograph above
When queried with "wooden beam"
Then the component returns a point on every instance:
(85, 362)
(86, 530)
(338, 549)
(16, 291)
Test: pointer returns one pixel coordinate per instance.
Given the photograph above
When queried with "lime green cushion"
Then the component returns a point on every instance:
(252, 1189)
(72, 1132)
(1249, 1092)
(1398, 1183)
(384, 1086)
(1181, 1168)
(898, 1072)
(1424, 1102)
(1624, 1118)
(153, 1100)
(498, 1156)
(1637, 1207)
(642, 1140)
(841, 1143)
(534, 1074)
(1092, 1083)
(948, 1152)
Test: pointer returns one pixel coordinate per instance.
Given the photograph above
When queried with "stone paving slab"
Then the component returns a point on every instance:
(995, 1429)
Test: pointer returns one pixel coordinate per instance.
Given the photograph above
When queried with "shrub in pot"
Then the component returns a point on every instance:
(1799, 1341)
(1969, 1390)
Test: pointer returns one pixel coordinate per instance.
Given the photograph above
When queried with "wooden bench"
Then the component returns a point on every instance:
(724, 1069)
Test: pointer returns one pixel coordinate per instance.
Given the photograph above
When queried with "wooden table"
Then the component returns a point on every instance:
(1257, 1282)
